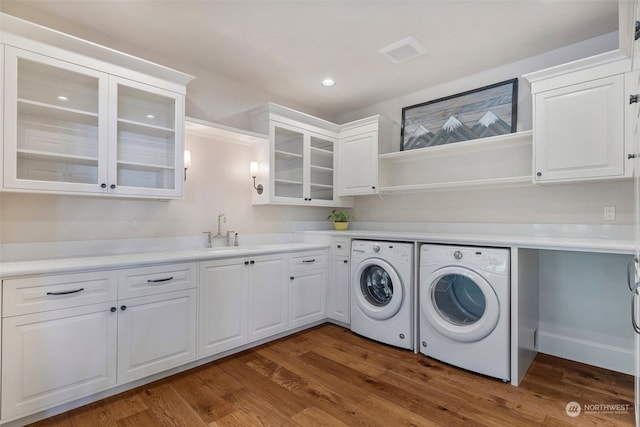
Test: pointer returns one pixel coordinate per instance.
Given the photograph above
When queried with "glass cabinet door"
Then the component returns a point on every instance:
(288, 162)
(321, 168)
(146, 126)
(55, 124)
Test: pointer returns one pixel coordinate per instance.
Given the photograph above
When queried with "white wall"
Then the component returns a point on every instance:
(217, 182)
(560, 203)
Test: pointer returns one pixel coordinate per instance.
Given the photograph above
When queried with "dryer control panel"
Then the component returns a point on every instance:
(488, 259)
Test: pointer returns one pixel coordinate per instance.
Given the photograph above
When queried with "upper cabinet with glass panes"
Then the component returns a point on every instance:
(84, 119)
(297, 166)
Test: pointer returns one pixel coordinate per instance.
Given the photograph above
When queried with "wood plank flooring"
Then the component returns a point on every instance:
(328, 376)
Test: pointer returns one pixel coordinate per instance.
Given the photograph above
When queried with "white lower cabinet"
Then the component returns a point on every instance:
(67, 336)
(307, 288)
(267, 296)
(155, 333)
(339, 305)
(339, 295)
(57, 356)
(241, 299)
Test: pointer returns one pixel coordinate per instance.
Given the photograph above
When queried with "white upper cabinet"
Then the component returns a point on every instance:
(77, 124)
(578, 120)
(55, 124)
(360, 143)
(147, 125)
(298, 166)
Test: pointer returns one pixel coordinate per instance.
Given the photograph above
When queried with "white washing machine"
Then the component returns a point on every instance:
(382, 291)
(464, 308)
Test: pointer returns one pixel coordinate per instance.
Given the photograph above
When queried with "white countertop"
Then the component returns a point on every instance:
(612, 240)
(568, 243)
(74, 264)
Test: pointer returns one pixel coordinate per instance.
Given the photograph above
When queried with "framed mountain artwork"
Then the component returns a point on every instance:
(479, 113)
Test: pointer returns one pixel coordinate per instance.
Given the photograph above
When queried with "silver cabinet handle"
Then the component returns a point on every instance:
(308, 261)
(634, 298)
(160, 280)
(75, 291)
(631, 270)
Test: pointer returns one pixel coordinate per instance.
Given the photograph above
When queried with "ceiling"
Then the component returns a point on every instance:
(286, 48)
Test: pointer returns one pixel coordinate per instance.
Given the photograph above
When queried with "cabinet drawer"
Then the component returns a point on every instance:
(138, 282)
(306, 261)
(340, 246)
(36, 294)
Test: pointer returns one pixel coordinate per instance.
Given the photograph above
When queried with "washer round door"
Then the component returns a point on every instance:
(459, 304)
(377, 289)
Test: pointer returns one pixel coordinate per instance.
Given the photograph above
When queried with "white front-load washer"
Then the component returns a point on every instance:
(464, 308)
(382, 291)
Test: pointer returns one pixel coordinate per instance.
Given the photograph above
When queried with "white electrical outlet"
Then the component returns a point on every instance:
(130, 223)
(609, 213)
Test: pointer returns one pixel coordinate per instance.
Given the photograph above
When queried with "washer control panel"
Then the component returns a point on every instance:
(394, 250)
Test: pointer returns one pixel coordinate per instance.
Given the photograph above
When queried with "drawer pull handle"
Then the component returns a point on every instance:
(160, 280)
(75, 291)
(308, 261)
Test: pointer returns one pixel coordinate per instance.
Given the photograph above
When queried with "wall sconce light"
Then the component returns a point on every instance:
(253, 170)
(187, 162)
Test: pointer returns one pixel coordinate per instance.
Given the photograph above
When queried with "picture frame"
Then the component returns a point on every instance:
(479, 113)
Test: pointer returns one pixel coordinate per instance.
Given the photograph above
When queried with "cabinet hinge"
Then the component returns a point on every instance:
(633, 99)
(637, 35)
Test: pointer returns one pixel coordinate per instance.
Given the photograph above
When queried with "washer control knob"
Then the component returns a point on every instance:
(376, 248)
(457, 255)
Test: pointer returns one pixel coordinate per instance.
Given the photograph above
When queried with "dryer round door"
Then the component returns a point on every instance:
(459, 304)
(377, 289)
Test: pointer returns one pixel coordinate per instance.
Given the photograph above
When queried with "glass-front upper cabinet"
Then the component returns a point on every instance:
(303, 166)
(144, 126)
(321, 171)
(55, 133)
(288, 168)
(71, 129)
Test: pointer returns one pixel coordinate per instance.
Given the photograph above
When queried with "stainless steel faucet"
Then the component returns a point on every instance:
(229, 234)
(222, 218)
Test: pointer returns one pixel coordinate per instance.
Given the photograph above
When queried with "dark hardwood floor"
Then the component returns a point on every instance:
(328, 376)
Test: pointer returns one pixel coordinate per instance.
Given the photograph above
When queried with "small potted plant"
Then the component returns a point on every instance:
(340, 219)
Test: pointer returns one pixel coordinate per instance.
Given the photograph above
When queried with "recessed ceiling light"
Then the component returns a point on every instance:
(328, 83)
(150, 116)
(62, 98)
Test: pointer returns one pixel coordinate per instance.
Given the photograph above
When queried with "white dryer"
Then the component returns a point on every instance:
(464, 308)
(382, 291)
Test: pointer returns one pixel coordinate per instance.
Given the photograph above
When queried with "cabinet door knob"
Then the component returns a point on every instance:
(346, 261)
(633, 99)
(252, 262)
(631, 156)
(112, 186)
(246, 263)
(539, 174)
(103, 185)
(339, 246)
(373, 187)
(113, 309)
(291, 278)
(123, 307)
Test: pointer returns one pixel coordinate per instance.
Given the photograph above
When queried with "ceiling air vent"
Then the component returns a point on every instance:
(403, 50)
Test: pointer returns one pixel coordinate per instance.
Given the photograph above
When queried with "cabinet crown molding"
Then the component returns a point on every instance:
(28, 35)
